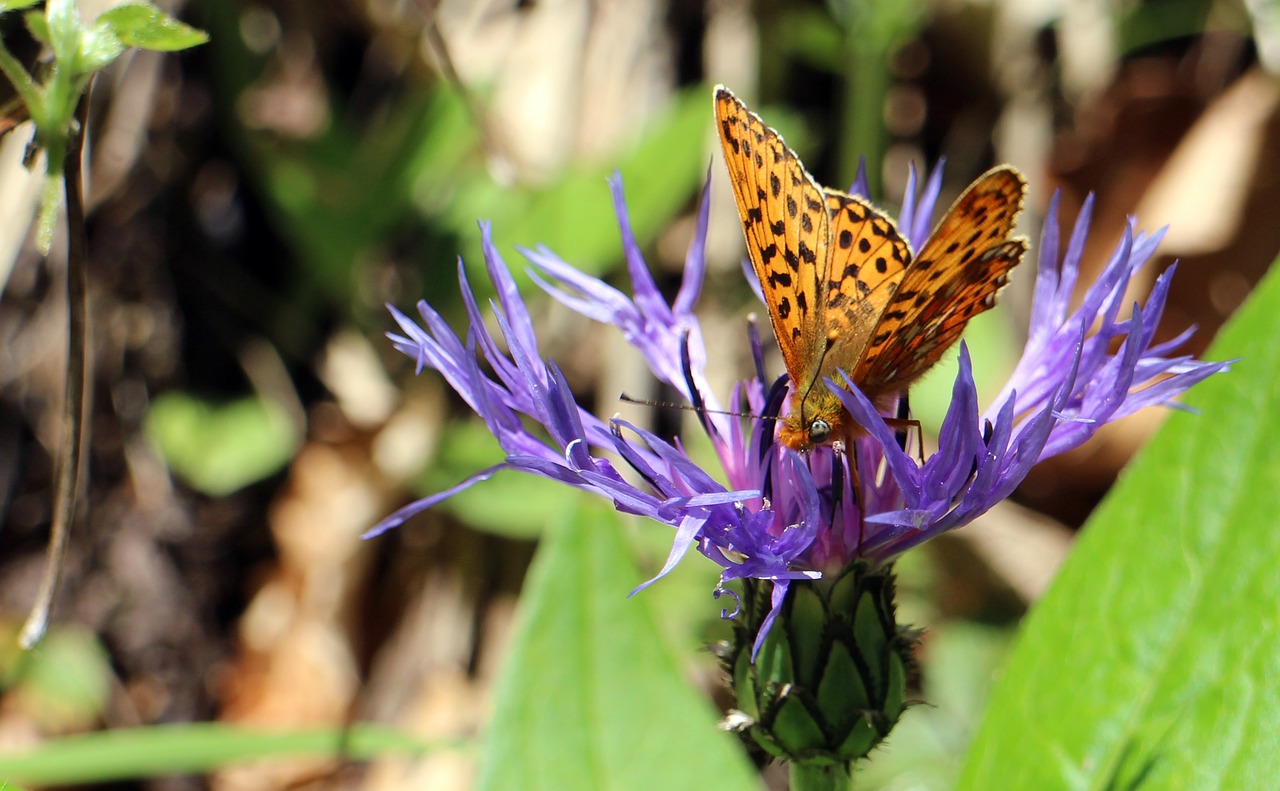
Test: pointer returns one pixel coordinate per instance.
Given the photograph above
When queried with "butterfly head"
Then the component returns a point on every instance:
(817, 419)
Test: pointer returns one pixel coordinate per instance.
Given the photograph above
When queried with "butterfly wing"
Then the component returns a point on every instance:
(784, 217)
(957, 275)
(868, 260)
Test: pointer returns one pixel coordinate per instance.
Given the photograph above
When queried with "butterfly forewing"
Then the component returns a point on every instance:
(784, 217)
(956, 276)
(867, 260)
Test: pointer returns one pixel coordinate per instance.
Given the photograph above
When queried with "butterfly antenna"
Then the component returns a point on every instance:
(827, 345)
(699, 408)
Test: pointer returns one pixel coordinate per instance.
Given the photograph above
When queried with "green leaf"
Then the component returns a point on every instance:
(15, 5)
(190, 749)
(1153, 660)
(148, 27)
(99, 45)
(38, 24)
(20, 78)
(591, 698)
(219, 448)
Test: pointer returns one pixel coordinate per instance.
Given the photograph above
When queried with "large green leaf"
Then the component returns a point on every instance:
(1153, 661)
(591, 697)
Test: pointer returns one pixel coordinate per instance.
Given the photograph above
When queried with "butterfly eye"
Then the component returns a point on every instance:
(819, 431)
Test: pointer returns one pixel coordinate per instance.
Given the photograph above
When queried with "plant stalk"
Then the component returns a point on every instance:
(75, 402)
(813, 777)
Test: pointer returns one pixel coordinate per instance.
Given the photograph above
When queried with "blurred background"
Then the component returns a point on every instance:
(256, 201)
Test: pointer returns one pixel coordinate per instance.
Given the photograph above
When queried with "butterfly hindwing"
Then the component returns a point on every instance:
(784, 216)
(956, 276)
(867, 260)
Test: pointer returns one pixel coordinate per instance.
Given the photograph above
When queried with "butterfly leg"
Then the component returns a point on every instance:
(903, 430)
(903, 424)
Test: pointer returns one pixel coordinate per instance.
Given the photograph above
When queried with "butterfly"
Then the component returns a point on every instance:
(844, 289)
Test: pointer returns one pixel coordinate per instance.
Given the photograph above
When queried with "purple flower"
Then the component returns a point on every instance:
(768, 513)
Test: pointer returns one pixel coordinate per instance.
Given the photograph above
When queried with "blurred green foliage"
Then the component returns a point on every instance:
(1146, 24)
(418, 168)
(192, 749)
(513, 504)
(63, 684)
(219, 447)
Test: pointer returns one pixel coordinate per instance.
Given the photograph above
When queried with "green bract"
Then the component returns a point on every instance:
(829, 681)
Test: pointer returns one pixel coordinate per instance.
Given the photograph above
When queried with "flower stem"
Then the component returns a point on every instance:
(75, 402)
(813, 777)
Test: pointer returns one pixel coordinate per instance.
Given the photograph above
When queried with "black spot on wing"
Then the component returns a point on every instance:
(729, 137)
(806, 254)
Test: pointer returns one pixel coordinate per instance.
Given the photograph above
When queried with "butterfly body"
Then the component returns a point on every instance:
(844, 289)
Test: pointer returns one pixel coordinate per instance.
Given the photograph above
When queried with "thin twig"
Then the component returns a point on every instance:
(75, 405)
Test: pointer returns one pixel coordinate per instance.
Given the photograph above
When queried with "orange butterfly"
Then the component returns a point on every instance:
(843, 288)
